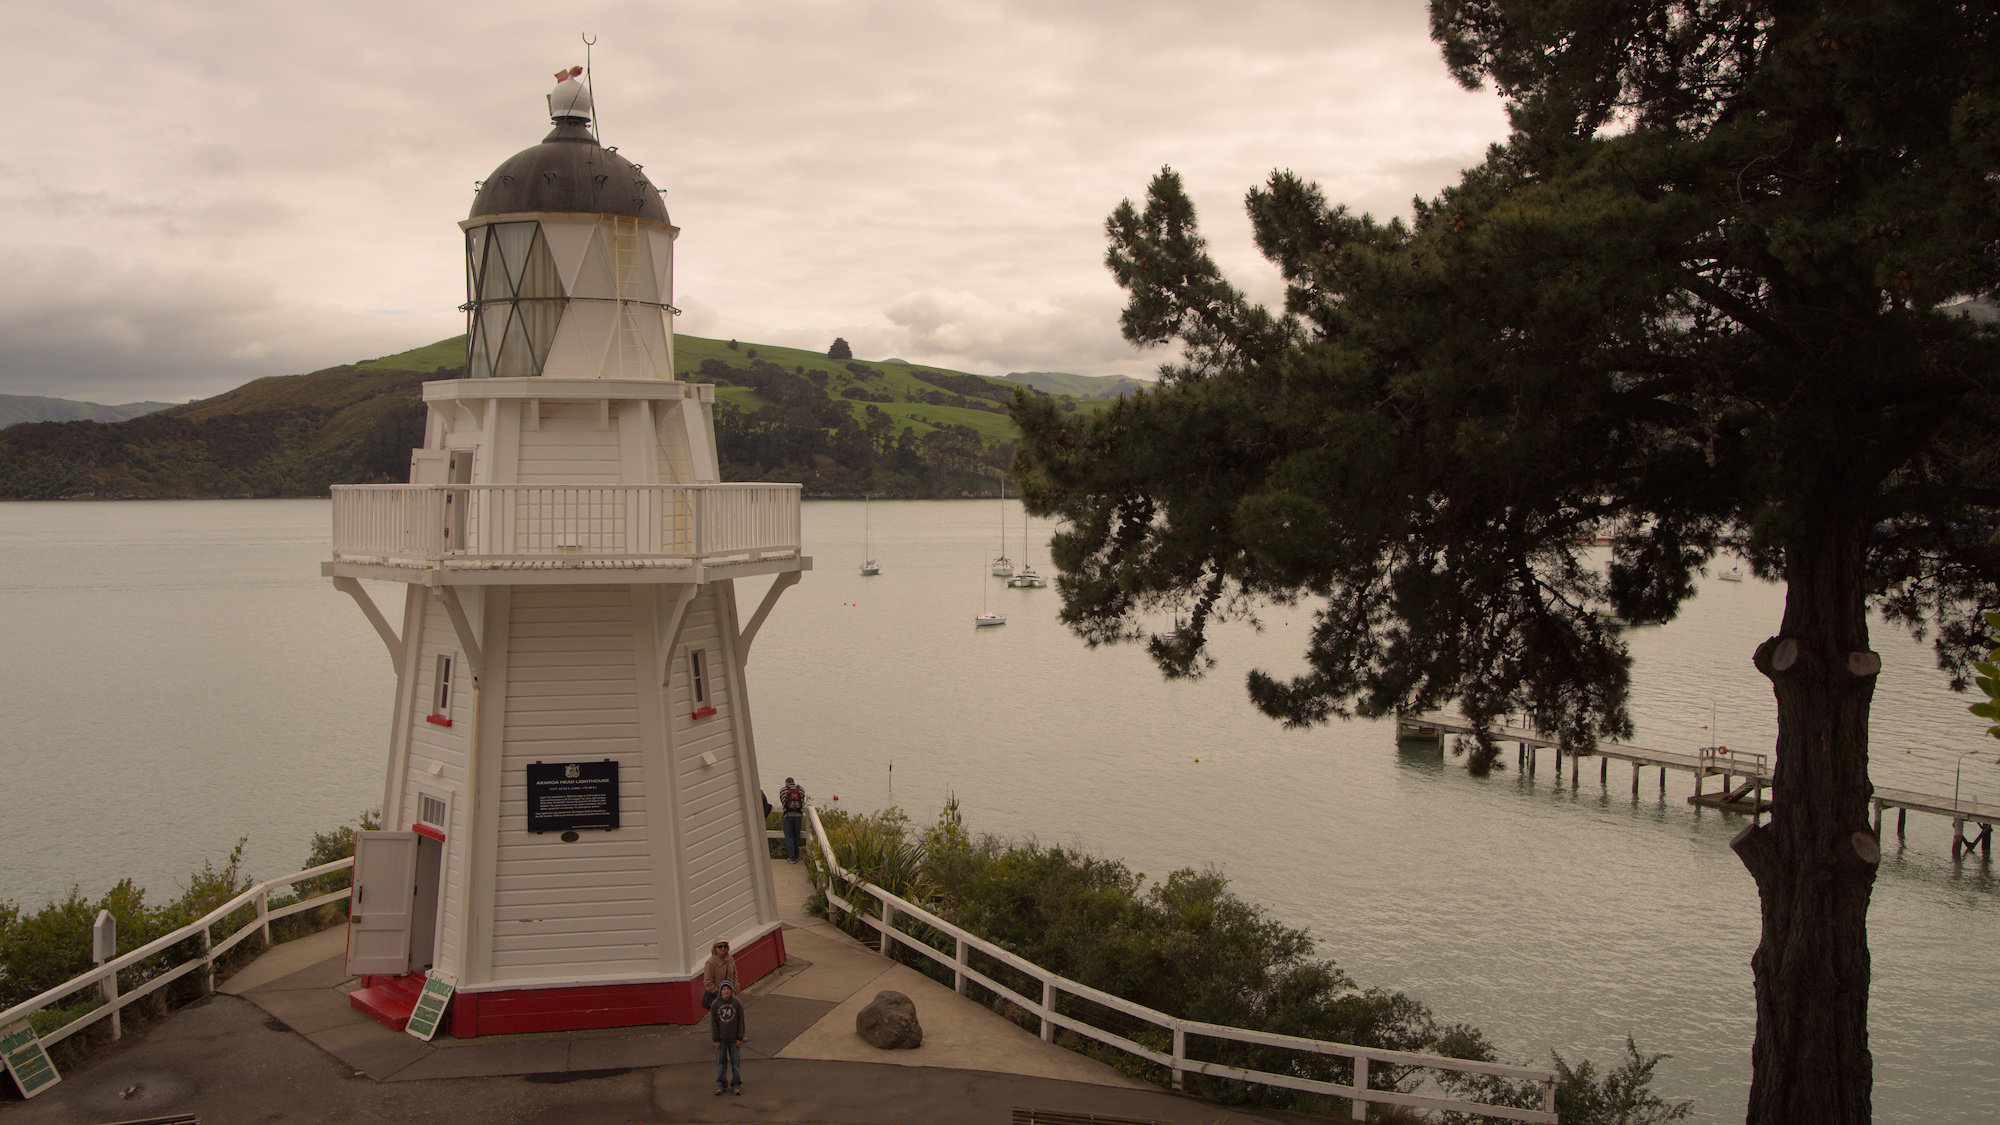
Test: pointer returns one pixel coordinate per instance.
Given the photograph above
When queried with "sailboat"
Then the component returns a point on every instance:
(867, 547)
(986, 616)
(1026, 578)
(1003, 567)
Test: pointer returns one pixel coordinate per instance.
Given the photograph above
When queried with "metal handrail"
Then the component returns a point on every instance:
(257, 893)
(1177, 1061)
(1721, 759)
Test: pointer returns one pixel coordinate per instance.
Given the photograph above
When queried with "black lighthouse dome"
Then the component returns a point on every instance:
(569, 171)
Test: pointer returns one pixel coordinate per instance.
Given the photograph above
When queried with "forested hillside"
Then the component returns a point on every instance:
(837, 427)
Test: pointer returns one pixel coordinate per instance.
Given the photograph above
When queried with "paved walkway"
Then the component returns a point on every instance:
(280, 1042)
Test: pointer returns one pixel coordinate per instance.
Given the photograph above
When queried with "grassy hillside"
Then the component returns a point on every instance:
(848, 427)
(839, 428)
(431, 357)
(291, 435)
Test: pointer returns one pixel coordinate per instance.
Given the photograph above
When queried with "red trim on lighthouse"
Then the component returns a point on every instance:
(427, 830)
(609, 1005)
(440, 720)
(702, 712)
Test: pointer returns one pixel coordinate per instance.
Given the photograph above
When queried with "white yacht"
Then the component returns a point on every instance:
(1003, 567)
(867, 541)
(1025, 578)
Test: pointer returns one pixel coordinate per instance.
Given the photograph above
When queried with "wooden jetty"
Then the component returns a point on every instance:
(1745, 777)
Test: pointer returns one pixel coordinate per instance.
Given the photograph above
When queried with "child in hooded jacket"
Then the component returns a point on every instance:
(725, 1023)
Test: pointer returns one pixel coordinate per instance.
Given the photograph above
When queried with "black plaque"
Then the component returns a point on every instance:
(568, 796)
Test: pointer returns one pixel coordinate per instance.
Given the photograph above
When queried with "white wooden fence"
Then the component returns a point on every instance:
(430, 524)
(1044, 1008)
(105, 976)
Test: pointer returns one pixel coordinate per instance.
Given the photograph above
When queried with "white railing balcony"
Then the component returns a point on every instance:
(444, 526)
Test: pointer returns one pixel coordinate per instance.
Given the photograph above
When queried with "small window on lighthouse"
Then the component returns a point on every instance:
(441, 693)
(431, 810)
(698, 683)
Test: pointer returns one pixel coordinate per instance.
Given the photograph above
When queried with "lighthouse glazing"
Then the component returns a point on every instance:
(571, 811)
(569, 260)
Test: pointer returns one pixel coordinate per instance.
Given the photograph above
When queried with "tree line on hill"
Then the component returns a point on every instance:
(299, 435)
(805, 435)
(343, 428)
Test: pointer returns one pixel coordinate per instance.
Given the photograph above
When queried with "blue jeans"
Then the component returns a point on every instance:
(729, 1065)
(792, 825)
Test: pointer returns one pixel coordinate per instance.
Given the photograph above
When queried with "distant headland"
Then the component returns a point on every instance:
(838, 427)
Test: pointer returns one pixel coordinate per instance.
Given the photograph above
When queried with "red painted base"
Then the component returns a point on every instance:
(612, 1005)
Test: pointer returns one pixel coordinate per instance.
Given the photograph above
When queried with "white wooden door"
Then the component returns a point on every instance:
(380, 908)
(457, 499)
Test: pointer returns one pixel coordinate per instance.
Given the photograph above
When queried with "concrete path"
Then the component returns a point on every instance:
(280, 1042)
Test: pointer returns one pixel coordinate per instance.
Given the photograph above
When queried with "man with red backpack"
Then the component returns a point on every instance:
(793, 800)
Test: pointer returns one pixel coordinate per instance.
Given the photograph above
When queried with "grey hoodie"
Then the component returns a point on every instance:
(725, 1020)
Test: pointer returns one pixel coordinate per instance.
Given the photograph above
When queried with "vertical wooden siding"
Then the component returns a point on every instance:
(448, 748)
(570, 448)
(584, 909)
(721, 894)
(671, 444)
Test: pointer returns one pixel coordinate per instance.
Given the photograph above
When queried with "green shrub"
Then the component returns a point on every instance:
(1190, 948)
(41, 949)
(327, 847)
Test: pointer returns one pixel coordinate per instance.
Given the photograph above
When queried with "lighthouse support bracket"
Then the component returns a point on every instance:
(670, 629)
(352, 588)
(463, 627)
(778, 586)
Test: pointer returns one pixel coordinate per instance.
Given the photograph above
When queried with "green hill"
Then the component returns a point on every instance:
(1079, 386)
(836, 427)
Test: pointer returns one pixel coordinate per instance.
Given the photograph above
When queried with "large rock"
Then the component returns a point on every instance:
(889, 1022)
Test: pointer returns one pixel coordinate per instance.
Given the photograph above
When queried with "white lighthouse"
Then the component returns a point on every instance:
(571, 816)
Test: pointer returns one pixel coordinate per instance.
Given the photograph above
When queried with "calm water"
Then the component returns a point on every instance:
(177, 675)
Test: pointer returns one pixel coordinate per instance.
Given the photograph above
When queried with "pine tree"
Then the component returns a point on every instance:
(839, 350)
(1695, 300)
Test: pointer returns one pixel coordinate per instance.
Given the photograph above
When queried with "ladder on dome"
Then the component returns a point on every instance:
(625, 243)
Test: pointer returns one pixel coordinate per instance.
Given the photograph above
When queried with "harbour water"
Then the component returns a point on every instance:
(175, 676)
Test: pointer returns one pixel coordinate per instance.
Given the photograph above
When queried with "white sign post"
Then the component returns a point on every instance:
(103, 947)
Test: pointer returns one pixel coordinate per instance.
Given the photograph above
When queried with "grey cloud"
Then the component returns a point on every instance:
(1075, 332)
(828, 161)
(85, 328)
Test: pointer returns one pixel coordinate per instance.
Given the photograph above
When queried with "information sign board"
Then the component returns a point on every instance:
(569, 796)
(429, 1012)
(26, 1061)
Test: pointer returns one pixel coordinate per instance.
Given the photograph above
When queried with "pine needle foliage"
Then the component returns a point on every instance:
(1701, 300)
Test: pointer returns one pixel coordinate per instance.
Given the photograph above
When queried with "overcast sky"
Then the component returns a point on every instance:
(197, 194)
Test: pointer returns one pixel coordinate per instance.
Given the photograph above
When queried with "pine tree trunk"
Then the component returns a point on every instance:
(1814, 861)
